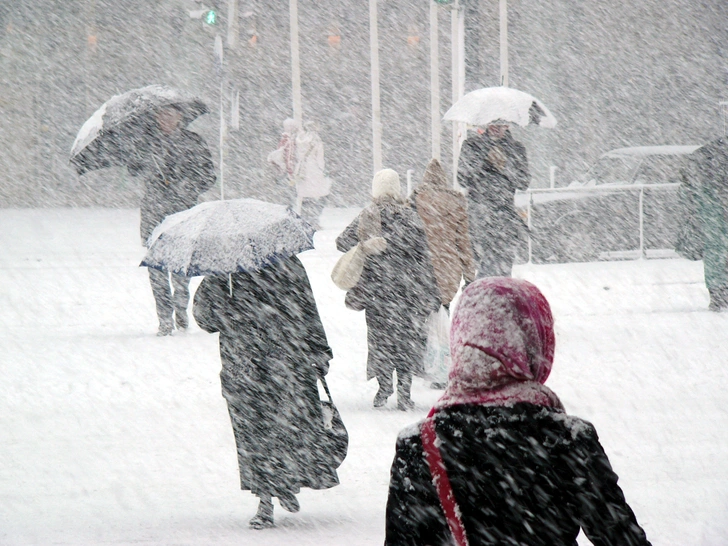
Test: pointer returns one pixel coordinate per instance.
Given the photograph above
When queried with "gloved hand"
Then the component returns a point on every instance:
(374, 246)
(321, 367)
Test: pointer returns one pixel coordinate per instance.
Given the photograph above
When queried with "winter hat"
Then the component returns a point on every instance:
(435, 175)
(502, 345)
(290, 125)
(386, 184)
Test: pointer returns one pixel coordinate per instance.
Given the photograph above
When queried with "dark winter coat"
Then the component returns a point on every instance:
(397, 288)
(705, 203)
(176, 168)
(443, 211)
(521, 475)
(271, 340)
(491, 170)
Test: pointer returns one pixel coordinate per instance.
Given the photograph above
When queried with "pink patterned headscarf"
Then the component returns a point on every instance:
(502, 345)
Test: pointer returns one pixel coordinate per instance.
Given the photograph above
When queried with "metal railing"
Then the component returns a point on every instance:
(598, 189)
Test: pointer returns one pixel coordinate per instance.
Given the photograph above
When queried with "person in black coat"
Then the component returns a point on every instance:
(272, 346)
(492, 166)
(397, 289)
(177, 168)
(498, 461)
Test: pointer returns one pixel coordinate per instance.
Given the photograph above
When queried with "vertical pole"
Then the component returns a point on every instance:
(410, 172)
(222, 140)
(220, 65)
(295, 64)
(455, 50)
(504, 42)
(530, 225)
(376, 106)
(642, 223)
(232, 26)
(435, 128)
(461, 51)
(552, 176)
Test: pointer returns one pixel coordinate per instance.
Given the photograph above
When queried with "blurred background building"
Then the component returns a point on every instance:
(615, 74)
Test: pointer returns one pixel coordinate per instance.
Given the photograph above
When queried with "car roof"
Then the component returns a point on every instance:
(642, 151)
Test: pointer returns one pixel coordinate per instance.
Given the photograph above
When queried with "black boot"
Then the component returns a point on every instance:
(384, 392)
(264, 518)
(404, 386)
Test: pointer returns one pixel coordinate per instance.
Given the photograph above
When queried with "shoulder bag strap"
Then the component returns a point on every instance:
(441, 481)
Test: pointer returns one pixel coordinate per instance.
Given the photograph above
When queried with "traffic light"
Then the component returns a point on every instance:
(210, 17)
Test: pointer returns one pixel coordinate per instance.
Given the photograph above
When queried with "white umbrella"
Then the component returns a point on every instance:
(221, 237)
(483, 106)
(120, 125)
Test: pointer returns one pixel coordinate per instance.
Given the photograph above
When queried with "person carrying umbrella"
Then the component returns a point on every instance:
(272, 347)
(145, 130)
(492, 166)
(177, 167)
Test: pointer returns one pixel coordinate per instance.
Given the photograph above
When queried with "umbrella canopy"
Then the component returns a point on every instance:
(221, 237)
(483, 106)
(112, 132)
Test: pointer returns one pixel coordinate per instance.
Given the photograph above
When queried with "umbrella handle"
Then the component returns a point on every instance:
(230, 283)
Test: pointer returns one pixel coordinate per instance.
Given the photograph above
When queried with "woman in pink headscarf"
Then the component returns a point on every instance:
(498, 461)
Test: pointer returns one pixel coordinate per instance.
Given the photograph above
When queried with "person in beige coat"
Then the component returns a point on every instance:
(443, 211)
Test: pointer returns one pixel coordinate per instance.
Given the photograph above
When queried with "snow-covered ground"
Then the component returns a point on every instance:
(111, 435)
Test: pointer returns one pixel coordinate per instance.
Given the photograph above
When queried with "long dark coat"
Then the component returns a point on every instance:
(520, 475)
(491, 170)
(176, 168)
(271, 337)
(397, 289)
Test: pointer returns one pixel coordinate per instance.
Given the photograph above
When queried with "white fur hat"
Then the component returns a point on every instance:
(386, 183)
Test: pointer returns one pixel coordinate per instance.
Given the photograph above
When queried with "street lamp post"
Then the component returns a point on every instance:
(457, 25)
(504, 42)
(219, 64)
(435, 128)
(295, 64)
(376, 104)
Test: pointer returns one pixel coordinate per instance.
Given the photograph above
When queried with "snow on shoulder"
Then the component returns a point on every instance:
(410, 431)
(577, 426)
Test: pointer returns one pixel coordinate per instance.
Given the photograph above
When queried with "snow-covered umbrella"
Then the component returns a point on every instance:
(111, 133)
(222, 237)
(483, 106)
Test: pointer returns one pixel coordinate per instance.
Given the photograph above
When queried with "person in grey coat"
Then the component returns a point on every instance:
(176, 166)
(397, 289)
(272, 347)
(492, 166)
(704, 229)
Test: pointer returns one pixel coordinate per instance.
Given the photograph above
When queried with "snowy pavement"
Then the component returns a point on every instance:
(110, 435)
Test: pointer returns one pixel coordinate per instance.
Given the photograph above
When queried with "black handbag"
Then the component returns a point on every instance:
(336, 442)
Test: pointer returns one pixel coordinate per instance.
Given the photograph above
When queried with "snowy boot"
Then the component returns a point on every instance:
(264, 518)
(404, 386)
(289, 502)
(384, 392)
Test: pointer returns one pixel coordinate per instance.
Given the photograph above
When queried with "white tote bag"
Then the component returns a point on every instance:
(347, 271)
(437, 353)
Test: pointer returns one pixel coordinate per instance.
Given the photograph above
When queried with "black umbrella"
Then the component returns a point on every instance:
(111, 134)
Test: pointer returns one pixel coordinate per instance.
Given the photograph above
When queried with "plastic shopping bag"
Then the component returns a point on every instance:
(437, 353)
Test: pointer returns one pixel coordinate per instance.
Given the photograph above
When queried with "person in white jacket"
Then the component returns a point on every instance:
(312, 184)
